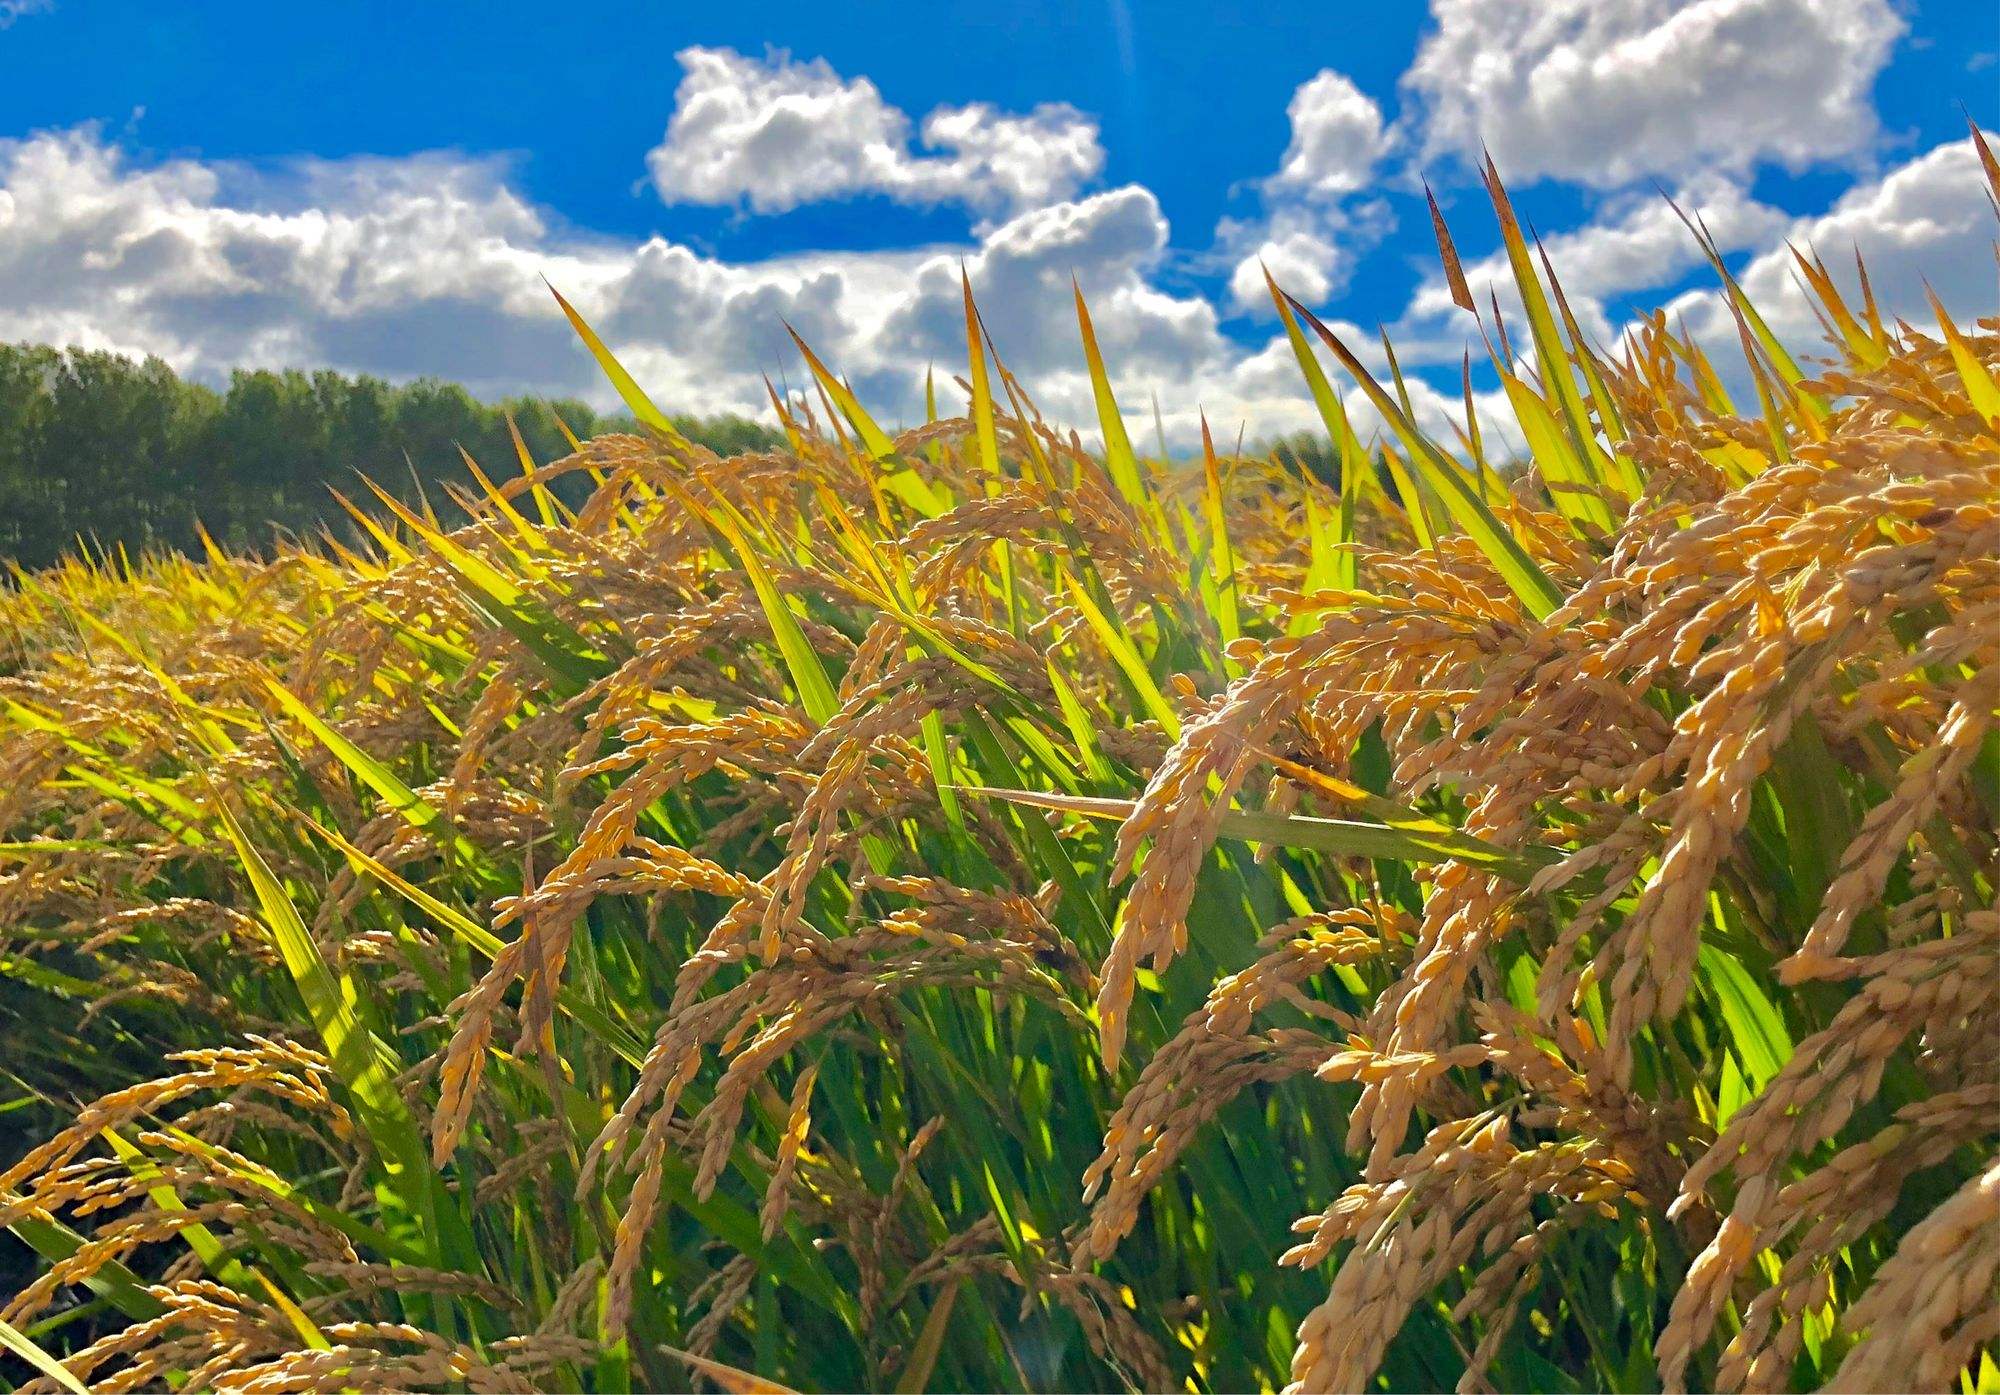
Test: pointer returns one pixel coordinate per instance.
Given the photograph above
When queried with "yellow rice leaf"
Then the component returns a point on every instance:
(982, 386)
(1118, 456)
(873, 439)
(1976, 378)
(634, 396)
(729, 1378)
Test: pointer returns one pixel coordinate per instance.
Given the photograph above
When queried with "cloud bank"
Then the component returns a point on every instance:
(433, 264)
(1605, 92)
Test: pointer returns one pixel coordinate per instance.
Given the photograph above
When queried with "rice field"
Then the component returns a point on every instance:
(976, 910)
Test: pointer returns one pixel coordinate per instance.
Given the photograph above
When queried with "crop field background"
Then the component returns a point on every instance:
(977, 909)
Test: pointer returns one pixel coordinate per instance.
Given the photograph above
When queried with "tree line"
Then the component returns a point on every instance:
(102, 451)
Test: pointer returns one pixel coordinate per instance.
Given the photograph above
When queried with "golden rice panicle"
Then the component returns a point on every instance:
(1759, 607)
(1931, 1307)
(709, 868)
(1828, 1210)
(1214, 1057)
(798, 1121)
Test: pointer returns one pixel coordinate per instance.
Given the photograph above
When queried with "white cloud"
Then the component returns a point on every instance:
(1441, 415)
(164, 260)
(1337, 137)
(1308, 235)
(1925, 220)
(1609, 91)
(433, 265)
(1303, 259)
(1157, 344)
(11, 10)
(774, 133)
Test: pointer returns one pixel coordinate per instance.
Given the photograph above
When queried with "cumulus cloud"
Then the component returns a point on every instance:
(1927, 220)
(1337, 137)
(1311, 249)
(1111, 240)
(1309, 235)
(1609, 91)
(164, 260)
(774, 133)
(433, 265)
(1161, 347)
(1301, 255)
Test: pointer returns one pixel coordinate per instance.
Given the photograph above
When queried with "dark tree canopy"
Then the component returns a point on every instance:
(115, 452)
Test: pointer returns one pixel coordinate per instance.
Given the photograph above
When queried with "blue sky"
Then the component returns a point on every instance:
(377, 190)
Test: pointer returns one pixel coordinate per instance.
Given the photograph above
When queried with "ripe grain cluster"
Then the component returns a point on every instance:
(966, 911)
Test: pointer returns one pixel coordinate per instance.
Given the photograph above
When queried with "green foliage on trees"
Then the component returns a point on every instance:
(102, 451)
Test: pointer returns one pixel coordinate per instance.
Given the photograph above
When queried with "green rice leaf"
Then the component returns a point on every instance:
(1756, 1030)
(1341, 837)
(333, 1003)
(1536, 592)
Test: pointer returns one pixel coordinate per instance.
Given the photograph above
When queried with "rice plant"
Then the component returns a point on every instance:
(962, 910)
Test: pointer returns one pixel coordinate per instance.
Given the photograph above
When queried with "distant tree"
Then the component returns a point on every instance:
(1309, 452)
(110, 461)
(25, 373)
(122, 453)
